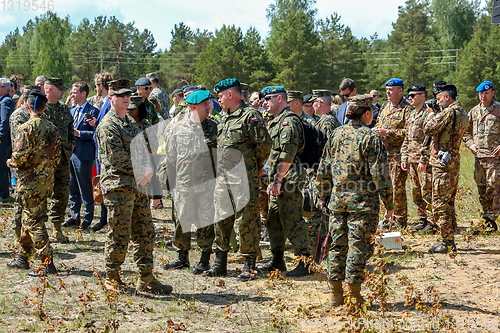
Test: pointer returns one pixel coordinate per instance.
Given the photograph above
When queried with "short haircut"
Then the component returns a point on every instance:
(83, 87)
(4, 82)
(154, 80)
(347, 83)
(326, 100)
(452, 93)
(41, 78)
(103, 78)
(40, 103)
(237, 89)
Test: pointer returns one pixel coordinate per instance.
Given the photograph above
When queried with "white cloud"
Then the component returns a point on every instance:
(7, 20)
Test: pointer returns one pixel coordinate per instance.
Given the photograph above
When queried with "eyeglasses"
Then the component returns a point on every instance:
(268, 97)
(148, 88)
(413, 95)
(346, 96)
(126, 94)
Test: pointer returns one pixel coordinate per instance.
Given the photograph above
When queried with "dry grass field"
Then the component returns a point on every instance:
(411, 291)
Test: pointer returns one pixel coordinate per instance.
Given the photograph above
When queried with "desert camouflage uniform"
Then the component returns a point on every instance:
(129, 215)
(285, 210)
(413, 152)
(244, 130)
(17, 118)
(195, 175)
(328, 123)
(59, 115)
(394, 119)
(36, 154)
(445, 178)
(162, 97)
(96, 101)
(354, 169)
(484, 132)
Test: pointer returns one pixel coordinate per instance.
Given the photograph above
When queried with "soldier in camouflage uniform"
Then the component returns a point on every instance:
(60, 115)
(354, 169)
(144, 89)
(446, 129)
(241, 128)
(129, 216)
(483, 139)
(17, 118)
(36, 155)
(286, 178)
(307, 106)
(194, 178)
(159, 94)
(391, 125)
(322, 101)
(415, 157)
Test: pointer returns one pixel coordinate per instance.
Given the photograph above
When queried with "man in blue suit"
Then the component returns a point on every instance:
(6, 109)
(82, 160)
(348, 89)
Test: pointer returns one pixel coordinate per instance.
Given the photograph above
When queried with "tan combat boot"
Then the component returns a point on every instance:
(115, 283)
(236, 258)
(57, 234)
(149, 284)
(336, 293)
(356, 293)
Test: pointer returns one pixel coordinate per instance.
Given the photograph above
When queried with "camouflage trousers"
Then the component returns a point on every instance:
(351, 245)
(398, 177)
(18, 212)
(422, 190)
(285, 221)
(487, 177)
(444, 190)
(129, 219)
(34, 232)
(60, 195)
(198, 209)
(263, 200)
(248, 222)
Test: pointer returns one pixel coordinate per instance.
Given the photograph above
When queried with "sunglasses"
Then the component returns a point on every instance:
(148, 88)
(268, 97)
(413, 95)
(126, 94)
(346, 96)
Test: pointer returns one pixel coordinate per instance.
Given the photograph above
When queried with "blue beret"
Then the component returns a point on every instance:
(484, 86)
(226, 84)
(143, 81)
(273, 90)
(394, 82)
(198, 96)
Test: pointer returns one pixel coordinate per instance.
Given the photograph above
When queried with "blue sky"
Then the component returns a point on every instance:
(364, 17)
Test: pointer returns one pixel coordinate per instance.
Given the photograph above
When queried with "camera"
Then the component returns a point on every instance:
(433, 104)
(444, 157)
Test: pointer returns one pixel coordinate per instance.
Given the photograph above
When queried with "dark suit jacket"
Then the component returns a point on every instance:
(6, 109)
(85, 149)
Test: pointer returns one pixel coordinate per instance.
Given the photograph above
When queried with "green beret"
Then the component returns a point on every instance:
(226, 84)
(56, 82)
(272, 90)
(135, 101)
(364, 101)
(321, 93)
(198, 96)
(294, 94)
(119, 86)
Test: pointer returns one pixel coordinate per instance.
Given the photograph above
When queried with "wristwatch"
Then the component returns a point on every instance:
(277, 181)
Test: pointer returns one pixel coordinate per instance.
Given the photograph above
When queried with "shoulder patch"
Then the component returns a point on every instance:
(285, 123)
(255, 119)
(283, 135)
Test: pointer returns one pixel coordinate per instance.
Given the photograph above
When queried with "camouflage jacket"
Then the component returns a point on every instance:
(96, 101)
(394, 119)
(36, 153)
(354, 168)
(287, 136)
(152, 117)
(267, 116)
(59, 115)
(328, 123)
(484, 129)
(17, 118)
(162, 97)
(114, 136)
(189, 159)
(181, 106)
(244, 130)
(413, 150)
(439, 125)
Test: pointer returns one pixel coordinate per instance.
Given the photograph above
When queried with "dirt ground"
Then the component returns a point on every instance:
(458, 294)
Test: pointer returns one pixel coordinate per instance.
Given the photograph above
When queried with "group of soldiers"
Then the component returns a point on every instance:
(198, 148)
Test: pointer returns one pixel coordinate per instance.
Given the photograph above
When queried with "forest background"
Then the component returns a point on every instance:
(452, 40)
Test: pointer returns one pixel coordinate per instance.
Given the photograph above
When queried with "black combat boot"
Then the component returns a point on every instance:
(491, 225)
(301, 270)
(421, 225)
(248, 272)
(20, 262)
(443, 247)
(275, 263)
(49, 269)
(220, 265)
(181, 262)
(204, 263)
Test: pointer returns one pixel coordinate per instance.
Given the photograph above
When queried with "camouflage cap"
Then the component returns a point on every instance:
(226, 84)
(321, 93)
(364, 101)
(198, 96)
(244, 86)
(56, 82)
(294, 94)
(135, 101)
(119, 86)
(272, 90)
(152, 76)
(27, 89)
